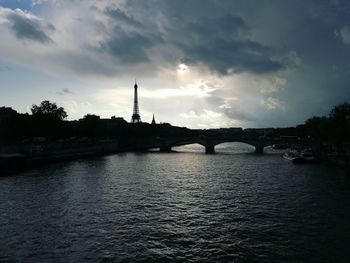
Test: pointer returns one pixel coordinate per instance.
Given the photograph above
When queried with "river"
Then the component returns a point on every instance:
(185, 206)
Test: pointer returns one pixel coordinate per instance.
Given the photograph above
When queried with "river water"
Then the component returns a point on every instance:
(185, 206)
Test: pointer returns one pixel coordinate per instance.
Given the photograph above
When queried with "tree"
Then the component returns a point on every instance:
(340, 121)
(6, 113)
(341, 113)
(46, 108)
(318, 127)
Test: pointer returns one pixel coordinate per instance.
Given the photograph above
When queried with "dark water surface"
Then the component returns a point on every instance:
(179, 207)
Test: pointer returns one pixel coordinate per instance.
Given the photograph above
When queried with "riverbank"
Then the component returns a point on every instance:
(15, 158)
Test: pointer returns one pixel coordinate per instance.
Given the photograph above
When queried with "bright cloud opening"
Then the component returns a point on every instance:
(182, 68)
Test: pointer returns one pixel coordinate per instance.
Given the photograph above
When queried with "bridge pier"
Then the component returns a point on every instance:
(209, 149)
(165, 148)
(259, 149)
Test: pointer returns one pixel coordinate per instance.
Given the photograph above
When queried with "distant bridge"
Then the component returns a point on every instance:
(209, 142)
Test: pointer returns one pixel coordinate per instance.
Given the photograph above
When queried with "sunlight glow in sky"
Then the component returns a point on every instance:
(182, 68)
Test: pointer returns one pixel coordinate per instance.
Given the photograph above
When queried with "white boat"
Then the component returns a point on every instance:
(290, 156)
(303, 157)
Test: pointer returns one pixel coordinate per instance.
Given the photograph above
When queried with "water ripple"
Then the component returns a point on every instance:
(187, 207)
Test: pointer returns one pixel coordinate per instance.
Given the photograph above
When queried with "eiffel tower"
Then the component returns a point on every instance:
(136, 118)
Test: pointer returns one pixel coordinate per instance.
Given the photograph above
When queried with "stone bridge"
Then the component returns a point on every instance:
(209, 142)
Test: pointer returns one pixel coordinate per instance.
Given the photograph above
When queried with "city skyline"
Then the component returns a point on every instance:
(200, 64)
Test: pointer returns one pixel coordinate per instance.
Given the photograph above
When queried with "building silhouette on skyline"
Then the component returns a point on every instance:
(153, 120)
(136, 118)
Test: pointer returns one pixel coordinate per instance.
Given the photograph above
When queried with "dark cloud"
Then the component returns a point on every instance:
(226, 57)
(221, 44)
(208, 35)
(212, 33)
(128, 47)
(120, 16)
(29, 28)
(127, 40)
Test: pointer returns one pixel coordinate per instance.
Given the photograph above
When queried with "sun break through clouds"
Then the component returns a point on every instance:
(199, 63)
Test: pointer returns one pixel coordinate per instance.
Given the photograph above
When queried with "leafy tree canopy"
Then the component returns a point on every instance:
(46, 108)
(341, 113)
(6, 112)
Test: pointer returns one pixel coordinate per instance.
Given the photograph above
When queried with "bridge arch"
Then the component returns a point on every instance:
(190, 147)
(169, 146)
(234, 147)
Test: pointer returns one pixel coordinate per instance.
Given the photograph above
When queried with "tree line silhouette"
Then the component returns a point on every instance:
(49, 121)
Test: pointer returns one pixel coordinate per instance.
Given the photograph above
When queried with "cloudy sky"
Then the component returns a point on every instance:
(198, 63)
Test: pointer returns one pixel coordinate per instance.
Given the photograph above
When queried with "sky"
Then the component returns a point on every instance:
(198, 63)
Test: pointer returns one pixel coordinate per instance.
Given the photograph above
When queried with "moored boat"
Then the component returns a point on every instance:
(302, 157)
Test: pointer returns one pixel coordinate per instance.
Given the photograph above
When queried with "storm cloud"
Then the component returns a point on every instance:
(128, 47)
(28, 27)
(221, 43)
(120, 16)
